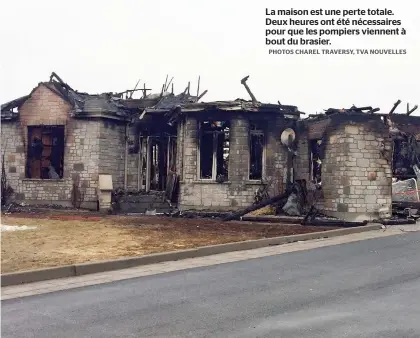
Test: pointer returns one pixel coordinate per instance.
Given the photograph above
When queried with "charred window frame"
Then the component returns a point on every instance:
(315, 160)
(402, 158)
(256, 151)
(45, 155)
(213, 152)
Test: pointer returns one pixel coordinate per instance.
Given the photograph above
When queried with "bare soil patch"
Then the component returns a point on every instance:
(62, 239)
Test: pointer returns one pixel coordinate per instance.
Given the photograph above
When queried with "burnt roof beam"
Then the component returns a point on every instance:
(243, 82)
(410, 111)
(396, 104)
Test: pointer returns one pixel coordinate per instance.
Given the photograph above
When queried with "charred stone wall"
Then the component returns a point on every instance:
(180, 149)
(91, 147)
(276, 154)
(81, 158)
(356, 177)
(238, 191)
(112, 152)
(302, 160)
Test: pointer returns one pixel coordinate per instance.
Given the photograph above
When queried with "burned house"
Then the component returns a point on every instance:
(59, 146)
(58, 142)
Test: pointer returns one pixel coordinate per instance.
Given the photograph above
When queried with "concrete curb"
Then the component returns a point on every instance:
(89, 268)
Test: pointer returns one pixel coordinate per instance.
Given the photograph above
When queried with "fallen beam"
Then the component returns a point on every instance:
(251, 208)
(200, 214)
(397, 221)
(335, 223)
(273, 219)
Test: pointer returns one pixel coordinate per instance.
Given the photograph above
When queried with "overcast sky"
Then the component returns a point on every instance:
(106, 46)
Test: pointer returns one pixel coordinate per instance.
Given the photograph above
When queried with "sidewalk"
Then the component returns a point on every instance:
(38, 288)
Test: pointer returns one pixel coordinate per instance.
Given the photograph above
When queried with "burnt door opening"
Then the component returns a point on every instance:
(403, 158)
(206, 155)
(256, 152)
(159, 161)
(45, 154)
(214, 150)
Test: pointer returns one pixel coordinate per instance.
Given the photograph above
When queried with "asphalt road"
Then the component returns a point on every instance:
(369, 288)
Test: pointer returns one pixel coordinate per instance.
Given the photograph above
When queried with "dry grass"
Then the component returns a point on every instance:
(65, 241)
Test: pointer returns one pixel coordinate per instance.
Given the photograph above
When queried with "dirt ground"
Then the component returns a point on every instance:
(61, 239)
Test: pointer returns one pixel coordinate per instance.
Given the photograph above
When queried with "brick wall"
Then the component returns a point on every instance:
(356, 179)
(238, 192)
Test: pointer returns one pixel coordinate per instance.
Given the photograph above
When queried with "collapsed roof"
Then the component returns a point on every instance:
(317, 124)
(92, 105)
(184, 104)
(81, 103)
(164, 105)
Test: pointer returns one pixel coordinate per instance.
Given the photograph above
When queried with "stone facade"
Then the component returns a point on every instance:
(276, 154)
(81, 152)
(112, 154)
(112, 151)
(356, 178)
(302, 159)
(92, 146)
(180, 149)
(238, 191)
